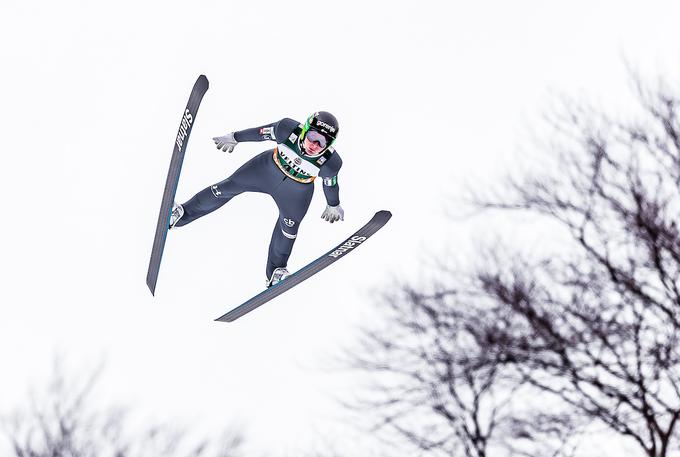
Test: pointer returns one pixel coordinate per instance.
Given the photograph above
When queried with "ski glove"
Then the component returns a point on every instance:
(333, 213)
(227, 143)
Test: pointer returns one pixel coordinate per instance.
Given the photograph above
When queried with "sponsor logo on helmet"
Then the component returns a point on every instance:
(328, 127)
(184, 128)
(347, 245)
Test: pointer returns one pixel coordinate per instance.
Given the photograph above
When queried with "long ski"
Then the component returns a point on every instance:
(188, 119)
(376, 223)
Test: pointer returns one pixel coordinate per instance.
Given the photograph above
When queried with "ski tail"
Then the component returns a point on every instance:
(181, 141)
(350, 244)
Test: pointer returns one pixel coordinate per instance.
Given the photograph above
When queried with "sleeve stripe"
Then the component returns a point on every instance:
(332, 181)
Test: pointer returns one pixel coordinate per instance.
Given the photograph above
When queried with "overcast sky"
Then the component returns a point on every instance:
(431, 96)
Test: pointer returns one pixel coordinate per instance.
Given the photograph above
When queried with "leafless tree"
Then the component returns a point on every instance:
(517, 347)
(439, 386)
(63, 421)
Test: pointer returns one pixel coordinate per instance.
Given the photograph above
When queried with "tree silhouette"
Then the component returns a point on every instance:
(63, 421)
(523, 354)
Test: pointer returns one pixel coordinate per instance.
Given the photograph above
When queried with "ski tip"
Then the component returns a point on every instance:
(383, 213)
(203, 79)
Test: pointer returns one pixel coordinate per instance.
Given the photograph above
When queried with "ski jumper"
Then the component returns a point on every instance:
(286, 173)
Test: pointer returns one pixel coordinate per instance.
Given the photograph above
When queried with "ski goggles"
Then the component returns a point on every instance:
(316, 137)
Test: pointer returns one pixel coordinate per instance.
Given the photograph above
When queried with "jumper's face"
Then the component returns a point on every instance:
(315, 142)
(311, 148)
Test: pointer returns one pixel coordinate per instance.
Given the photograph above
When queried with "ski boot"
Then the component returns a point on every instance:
(278, 275)
(176, 214)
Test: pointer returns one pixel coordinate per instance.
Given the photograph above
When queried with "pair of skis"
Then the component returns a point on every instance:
(341, 250)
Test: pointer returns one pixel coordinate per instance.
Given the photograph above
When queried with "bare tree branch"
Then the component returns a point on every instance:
(469, 364)
(63, 422)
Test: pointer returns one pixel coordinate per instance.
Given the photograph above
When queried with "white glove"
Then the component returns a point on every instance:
(227, 143)
(333, 213)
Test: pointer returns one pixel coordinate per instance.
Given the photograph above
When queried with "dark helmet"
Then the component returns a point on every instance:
(323, 122)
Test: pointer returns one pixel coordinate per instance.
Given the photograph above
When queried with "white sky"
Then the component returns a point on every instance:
(431, 96)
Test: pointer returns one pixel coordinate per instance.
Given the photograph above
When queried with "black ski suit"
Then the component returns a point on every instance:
(262, 173)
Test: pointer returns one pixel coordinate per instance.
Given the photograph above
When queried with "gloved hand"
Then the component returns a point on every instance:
(227, 143)
(333, 213)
